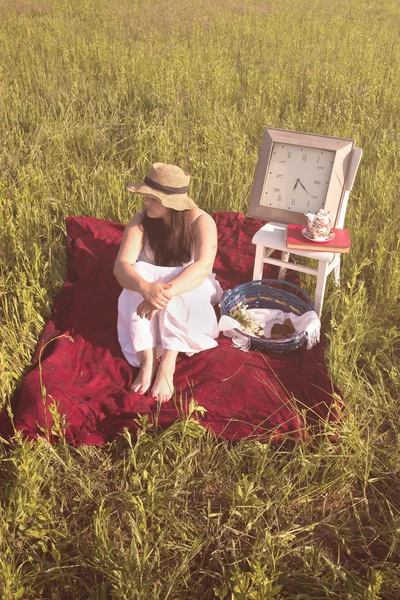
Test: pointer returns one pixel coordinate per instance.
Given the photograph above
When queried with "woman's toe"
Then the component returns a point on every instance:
(139, 388)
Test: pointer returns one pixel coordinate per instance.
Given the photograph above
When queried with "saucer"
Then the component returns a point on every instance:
(327, 238)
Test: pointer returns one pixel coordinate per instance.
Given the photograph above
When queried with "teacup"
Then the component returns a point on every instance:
(319, 224)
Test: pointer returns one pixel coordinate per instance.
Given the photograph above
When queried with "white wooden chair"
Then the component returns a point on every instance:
(272, 237)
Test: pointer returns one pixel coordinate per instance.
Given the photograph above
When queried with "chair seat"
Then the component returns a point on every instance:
(273, 235)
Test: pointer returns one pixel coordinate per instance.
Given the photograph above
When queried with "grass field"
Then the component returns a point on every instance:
(90, 94)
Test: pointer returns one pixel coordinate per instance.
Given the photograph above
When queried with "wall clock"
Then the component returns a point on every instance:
(298, 173)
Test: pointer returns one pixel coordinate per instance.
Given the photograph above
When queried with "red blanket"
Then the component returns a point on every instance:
(246, 395)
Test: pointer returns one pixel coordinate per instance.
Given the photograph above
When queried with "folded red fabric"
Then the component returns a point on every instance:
(246, 395)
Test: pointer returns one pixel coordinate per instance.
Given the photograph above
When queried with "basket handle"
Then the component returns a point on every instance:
(292, 286)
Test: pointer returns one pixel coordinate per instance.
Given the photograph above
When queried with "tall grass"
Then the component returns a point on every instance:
(90, 94)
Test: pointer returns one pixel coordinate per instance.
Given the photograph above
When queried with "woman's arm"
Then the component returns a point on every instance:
(205, 250)
(126, 275)
(131, 245)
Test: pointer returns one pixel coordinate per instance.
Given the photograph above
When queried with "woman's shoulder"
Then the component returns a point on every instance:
(136, 220)
(200, 216)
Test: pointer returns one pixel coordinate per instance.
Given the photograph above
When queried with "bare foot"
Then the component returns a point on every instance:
(147, 372)
(163, 387)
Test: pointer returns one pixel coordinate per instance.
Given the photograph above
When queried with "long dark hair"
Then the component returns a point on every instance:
(171, 244)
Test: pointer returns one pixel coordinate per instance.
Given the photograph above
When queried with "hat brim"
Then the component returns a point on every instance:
(175, 201)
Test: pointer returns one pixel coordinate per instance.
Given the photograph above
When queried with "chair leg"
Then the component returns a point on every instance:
(322, 275)
(258, 262)
(336, 271)
(282, 270)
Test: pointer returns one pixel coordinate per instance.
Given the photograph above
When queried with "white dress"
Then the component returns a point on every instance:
(187, 323)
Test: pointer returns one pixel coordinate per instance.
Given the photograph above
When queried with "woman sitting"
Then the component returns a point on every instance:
(165, 267)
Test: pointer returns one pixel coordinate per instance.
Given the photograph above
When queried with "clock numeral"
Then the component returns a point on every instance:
(304, 157)
(280, 176)
(293, 202)
(289, 154)
(321, 168)
(308, 203)
(314, 197)
(279, 197)
(276, 190)
(282, 161)
(318, 159)
(317, 182)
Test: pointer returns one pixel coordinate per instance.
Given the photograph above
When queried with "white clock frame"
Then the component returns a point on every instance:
(329, 196)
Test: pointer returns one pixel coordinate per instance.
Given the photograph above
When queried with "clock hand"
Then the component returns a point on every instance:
(295, 185)
(303, 187)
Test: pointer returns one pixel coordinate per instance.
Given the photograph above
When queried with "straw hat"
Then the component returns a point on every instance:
(168, 183)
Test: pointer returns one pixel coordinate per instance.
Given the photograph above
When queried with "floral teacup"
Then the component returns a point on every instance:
(320, 224)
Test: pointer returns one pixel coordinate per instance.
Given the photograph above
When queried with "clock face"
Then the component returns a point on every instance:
(297, 178)
(298, 173)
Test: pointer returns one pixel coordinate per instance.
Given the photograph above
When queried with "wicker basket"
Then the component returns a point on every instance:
(270, 293)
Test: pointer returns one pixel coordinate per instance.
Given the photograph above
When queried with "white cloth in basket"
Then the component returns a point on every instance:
(308, 322)
(187, 323)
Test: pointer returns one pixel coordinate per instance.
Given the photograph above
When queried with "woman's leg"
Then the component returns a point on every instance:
(187, 324)
(135, 334)
(147, 372)
(163, 387)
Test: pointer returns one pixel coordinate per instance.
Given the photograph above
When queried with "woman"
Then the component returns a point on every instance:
(165, 267)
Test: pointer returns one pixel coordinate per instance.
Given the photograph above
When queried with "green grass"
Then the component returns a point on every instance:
(90, 94)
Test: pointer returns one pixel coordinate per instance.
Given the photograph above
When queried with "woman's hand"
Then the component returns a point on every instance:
(156, 294)
(146, 310)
